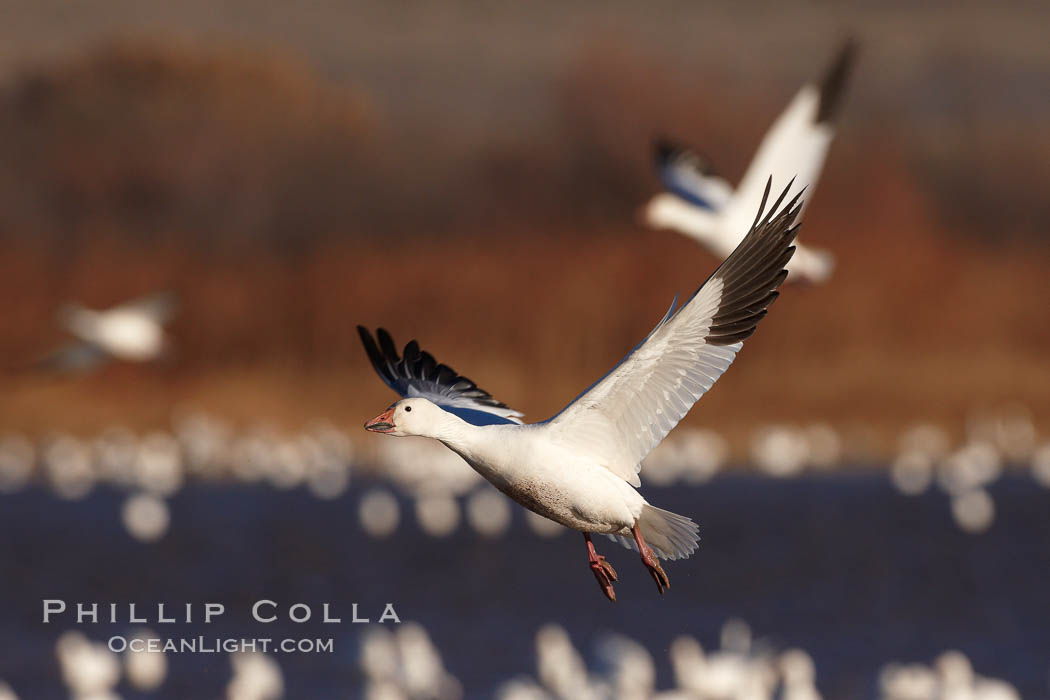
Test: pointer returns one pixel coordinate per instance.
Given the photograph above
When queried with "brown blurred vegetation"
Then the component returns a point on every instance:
(285, 209)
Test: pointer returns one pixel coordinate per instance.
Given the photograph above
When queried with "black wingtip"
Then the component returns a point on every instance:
(780, 200)
(794, 207)
(367, 341)
(754, 271)
(664, 150)
(833, 84)
(386, 343)
(417, 368)
(764, 216)
(375, 355)
(668, 151)
(762, 204)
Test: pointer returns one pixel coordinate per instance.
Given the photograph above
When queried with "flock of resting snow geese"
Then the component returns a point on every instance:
(405, 664)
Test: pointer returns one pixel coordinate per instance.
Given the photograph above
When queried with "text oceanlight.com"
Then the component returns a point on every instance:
(219, 645)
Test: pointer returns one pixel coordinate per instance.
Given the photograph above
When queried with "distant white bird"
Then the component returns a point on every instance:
(703, 206)
(256, 676)
(88, 668)
(133, 331)
(515, 689)
(144, 669)
(799, 675)
(579, 467)
(631, 668)
(423, 673)
(908, 682)
(723, 675)
(561, 668)
(951, 678)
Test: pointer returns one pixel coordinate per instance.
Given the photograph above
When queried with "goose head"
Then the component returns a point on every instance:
(409, 417)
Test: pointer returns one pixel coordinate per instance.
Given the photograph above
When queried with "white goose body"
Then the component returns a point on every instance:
(124, 334)
(526, 464)
(580, 467)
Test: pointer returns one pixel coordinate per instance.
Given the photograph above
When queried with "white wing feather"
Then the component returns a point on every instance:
(797, 144)
(622, 417)
(795, 147)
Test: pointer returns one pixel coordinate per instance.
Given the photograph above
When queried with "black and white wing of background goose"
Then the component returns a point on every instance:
(797, 144)
(417, 374)
(72, 357)
(688, 175)
(623, 416)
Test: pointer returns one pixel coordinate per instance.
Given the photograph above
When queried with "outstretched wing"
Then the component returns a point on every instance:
(622, 417)
(796, 146)
(74, 357)
(160, 307)
(686, 174)
(417, 374)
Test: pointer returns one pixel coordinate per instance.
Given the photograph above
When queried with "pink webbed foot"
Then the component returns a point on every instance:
(603, 571)
(651, 562)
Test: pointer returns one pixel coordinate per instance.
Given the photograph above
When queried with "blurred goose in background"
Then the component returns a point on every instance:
(726, 674)
(560, 666)
(580, 467)
(952, 677)
(89, 669)
(133, 331)
(256, 676)
(705, 207)
(630, 667)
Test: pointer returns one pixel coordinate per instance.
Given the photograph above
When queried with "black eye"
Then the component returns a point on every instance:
(408, 409)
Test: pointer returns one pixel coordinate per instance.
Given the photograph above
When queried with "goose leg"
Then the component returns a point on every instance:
(650, 561)
(601, 569)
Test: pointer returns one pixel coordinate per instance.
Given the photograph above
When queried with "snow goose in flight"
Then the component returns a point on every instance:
(580, 468)
(131, 331)
(703, 206)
